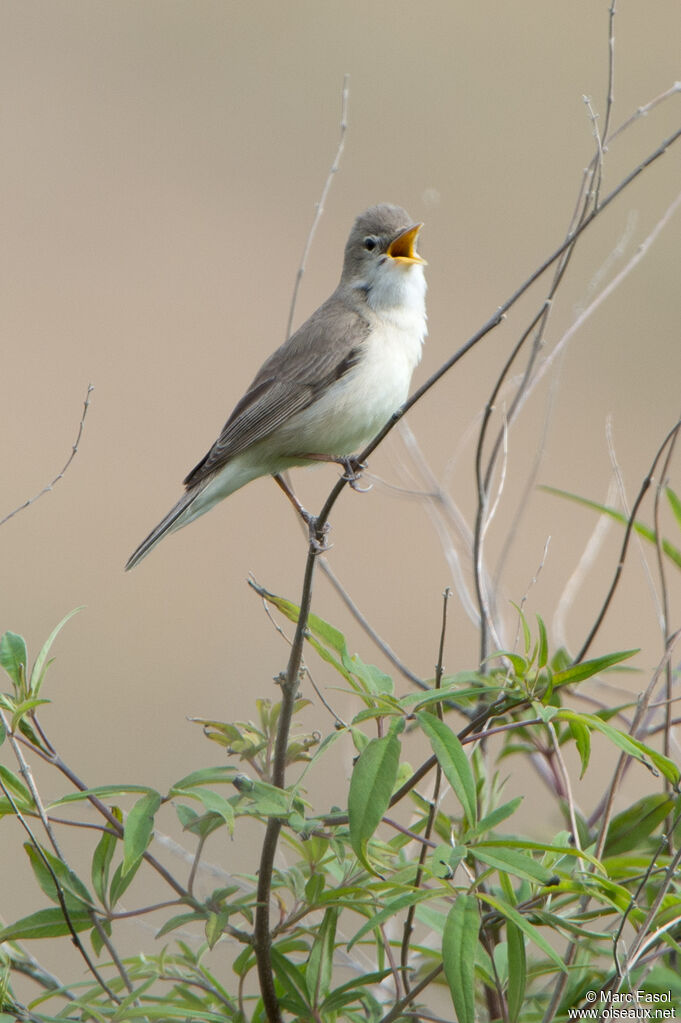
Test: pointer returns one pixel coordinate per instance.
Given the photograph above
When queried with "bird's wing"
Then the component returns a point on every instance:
(322, 351)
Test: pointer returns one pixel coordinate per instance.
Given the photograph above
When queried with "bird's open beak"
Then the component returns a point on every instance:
(403, 248)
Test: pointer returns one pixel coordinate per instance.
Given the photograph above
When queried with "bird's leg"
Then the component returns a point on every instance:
(352, 465)
(309, 520)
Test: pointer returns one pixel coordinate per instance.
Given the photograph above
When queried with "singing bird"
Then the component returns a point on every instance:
(334, 384)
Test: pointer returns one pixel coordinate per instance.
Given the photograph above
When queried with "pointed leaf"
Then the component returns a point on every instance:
(453, 761)
(650, 758)
(512, 914)
(586, 669)
(74, 892)
(212, 801)
(582, 737)
(101, 860)
(517, 970)
(629, 829)
(543, 649)
(204, 776)
(674, 504)
(320, 963)
(181, 920)
(139, 828)
(513, 861)
(46, 923)
(645, 531)
(120, 882)
(296, 996)
(389, 910)
(41, 662)
(14, 656)
(495, 818)
(16, 788)
(459, 950)
(371, 787)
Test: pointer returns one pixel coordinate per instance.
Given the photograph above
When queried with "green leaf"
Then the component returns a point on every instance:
(629, 829)
(101, 860)
(41, 662)
(211, 801)
(204, 776)
(517, 970)
(139, 828)
(445, 858)
(454, 694)
(453, 761)
(352, 991)
(586, 669)
(320, 963)
(673, 553)
(96, 937)
(674, 504)
(14, 657)
(215, 926)
(16, 788)
(331, 645)
(46, 923)
(543, 649)
(371, 787)
(296, 997)
(582, 736)
(520, 921)
(512, 861)
(181, 920)
(120, 882)
(102, 792)
(389, 910)
(520, 664)
(459, 950)
(75, 894)
(650, 758)
(495, 818)
(268, 800)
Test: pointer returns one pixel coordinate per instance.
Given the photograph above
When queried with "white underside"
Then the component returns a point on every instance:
(352, 410)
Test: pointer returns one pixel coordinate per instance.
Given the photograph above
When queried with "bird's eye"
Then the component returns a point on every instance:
(370, 244)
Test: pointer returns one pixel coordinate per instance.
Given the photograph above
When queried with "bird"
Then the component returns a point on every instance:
(332, 386)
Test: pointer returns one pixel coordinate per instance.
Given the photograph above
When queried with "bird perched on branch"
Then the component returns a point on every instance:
(333, 385)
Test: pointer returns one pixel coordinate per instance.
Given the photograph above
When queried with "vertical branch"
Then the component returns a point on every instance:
(664, 597)
(262, 936)
(483, 476)
(409, 922)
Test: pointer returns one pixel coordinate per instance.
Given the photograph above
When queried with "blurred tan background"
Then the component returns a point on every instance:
(161, 164)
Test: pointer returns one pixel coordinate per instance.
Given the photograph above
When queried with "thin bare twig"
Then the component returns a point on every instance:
(625, 543)
(345, 95)
(60, 475)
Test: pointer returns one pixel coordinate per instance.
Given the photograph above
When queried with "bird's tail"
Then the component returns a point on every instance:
(175, 519)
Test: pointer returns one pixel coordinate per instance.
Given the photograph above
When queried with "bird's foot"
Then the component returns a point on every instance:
(352, 465)
(353, 473)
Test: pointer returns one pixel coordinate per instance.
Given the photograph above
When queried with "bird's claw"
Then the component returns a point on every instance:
(353, 472)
